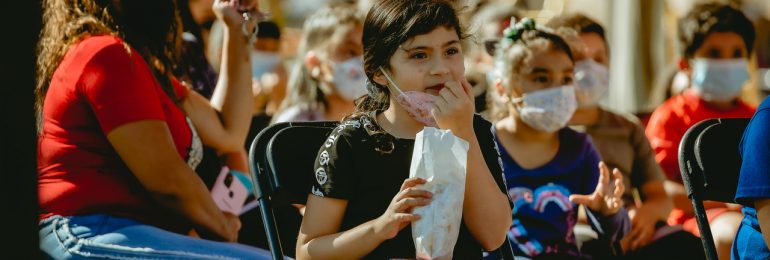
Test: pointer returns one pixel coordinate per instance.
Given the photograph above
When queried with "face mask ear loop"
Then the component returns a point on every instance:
(387, 77)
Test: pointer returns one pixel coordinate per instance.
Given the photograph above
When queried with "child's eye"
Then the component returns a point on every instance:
(568, 80)
(714, 54)
(738, 53)
(541, 79)
(452, 51)
(418, 56)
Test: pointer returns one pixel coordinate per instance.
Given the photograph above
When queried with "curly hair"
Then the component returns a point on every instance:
(152, 27)
(514, 51)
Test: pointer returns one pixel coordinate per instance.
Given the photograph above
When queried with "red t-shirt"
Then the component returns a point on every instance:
(100, 85)
(671, 120)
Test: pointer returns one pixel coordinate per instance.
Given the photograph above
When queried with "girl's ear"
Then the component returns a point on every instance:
(313, 64)
(379, 78)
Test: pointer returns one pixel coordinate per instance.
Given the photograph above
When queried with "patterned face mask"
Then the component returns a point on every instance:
(416, 103)
(350, 79)
(719, 80)
(547, 110)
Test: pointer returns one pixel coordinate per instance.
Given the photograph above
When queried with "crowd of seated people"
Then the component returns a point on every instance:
(137, 119)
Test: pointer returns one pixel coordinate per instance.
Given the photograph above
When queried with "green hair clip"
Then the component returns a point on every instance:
(515, 30)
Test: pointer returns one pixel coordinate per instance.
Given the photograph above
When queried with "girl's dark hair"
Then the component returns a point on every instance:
(390, 23)
(152, 27)
(581, 24)
(704, 19)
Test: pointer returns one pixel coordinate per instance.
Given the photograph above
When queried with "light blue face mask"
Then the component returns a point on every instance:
(719, 80)
(263, 62)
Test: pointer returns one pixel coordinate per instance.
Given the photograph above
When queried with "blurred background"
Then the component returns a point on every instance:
(642, 36)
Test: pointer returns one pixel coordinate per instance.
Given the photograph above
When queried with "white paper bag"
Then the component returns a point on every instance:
(439, 157)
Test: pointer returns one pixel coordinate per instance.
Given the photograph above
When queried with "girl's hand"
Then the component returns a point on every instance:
(606, 199)
(231, 11)
(454, 108)
(398, 214)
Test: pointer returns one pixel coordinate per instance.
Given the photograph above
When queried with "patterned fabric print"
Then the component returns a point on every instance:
(546, 202)
(195, 152)
(549, 109)
(321, 176)
(418, 105)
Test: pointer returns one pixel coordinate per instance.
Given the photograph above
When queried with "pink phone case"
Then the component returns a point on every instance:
(229, 193)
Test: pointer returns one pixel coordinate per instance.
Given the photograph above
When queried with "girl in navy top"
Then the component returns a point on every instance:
(547, 165)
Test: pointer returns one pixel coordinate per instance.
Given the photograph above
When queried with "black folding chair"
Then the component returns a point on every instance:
(291, 149)
(710, 163)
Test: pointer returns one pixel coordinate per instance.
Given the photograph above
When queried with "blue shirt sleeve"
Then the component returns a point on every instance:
(590, 167)
(754, 181)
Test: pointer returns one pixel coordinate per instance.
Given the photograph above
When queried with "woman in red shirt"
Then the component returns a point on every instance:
(119, 136)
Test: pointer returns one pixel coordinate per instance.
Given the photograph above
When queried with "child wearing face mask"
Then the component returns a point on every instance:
(361, 202)
(267, 71)
(329, 74)
(717, 40)
(621, 142)
(547, 165)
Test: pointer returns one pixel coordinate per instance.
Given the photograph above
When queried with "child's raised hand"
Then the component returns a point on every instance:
(454, 108)
(229, 11)
(399, 212)
(606, 199)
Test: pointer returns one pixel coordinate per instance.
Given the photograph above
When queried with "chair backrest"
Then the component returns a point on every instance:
(709, 157)
(710, 164)
(289, 149)
(292, 153)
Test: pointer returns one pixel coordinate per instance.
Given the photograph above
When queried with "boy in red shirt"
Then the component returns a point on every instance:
(717, 41)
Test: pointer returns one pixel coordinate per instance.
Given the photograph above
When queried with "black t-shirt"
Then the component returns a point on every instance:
(366, 166)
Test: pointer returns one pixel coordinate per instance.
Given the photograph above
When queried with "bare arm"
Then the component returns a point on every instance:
(763, 216)
(232, 95)
(657, 200)
(486, 210)
(657, 206)
(320, 238)
(148, 150)
(324, 216)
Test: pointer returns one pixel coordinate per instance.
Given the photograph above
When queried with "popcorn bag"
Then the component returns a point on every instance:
(439, 157)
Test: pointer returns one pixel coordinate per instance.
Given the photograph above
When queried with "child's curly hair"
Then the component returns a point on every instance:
(519, 42)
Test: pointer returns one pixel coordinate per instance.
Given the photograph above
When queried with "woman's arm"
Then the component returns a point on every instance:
(486, 209)
(232, 96)
(763, 216)
(319, 236)
(656, 208)
(148, 150)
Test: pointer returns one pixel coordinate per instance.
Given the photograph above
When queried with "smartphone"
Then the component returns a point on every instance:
(231, 190)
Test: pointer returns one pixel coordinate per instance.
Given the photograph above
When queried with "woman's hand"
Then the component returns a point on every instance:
(454, 108)
(398, 214)
(606, 199)
(233, 226)
(230, 11)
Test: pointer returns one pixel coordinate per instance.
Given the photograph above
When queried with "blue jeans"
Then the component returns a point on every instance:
(104, 236)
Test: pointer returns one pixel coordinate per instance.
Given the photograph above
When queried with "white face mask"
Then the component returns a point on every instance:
(547, 110)
(416, 103)
(593, 80)
(719, 80)
(262, 62)
(349, 78)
